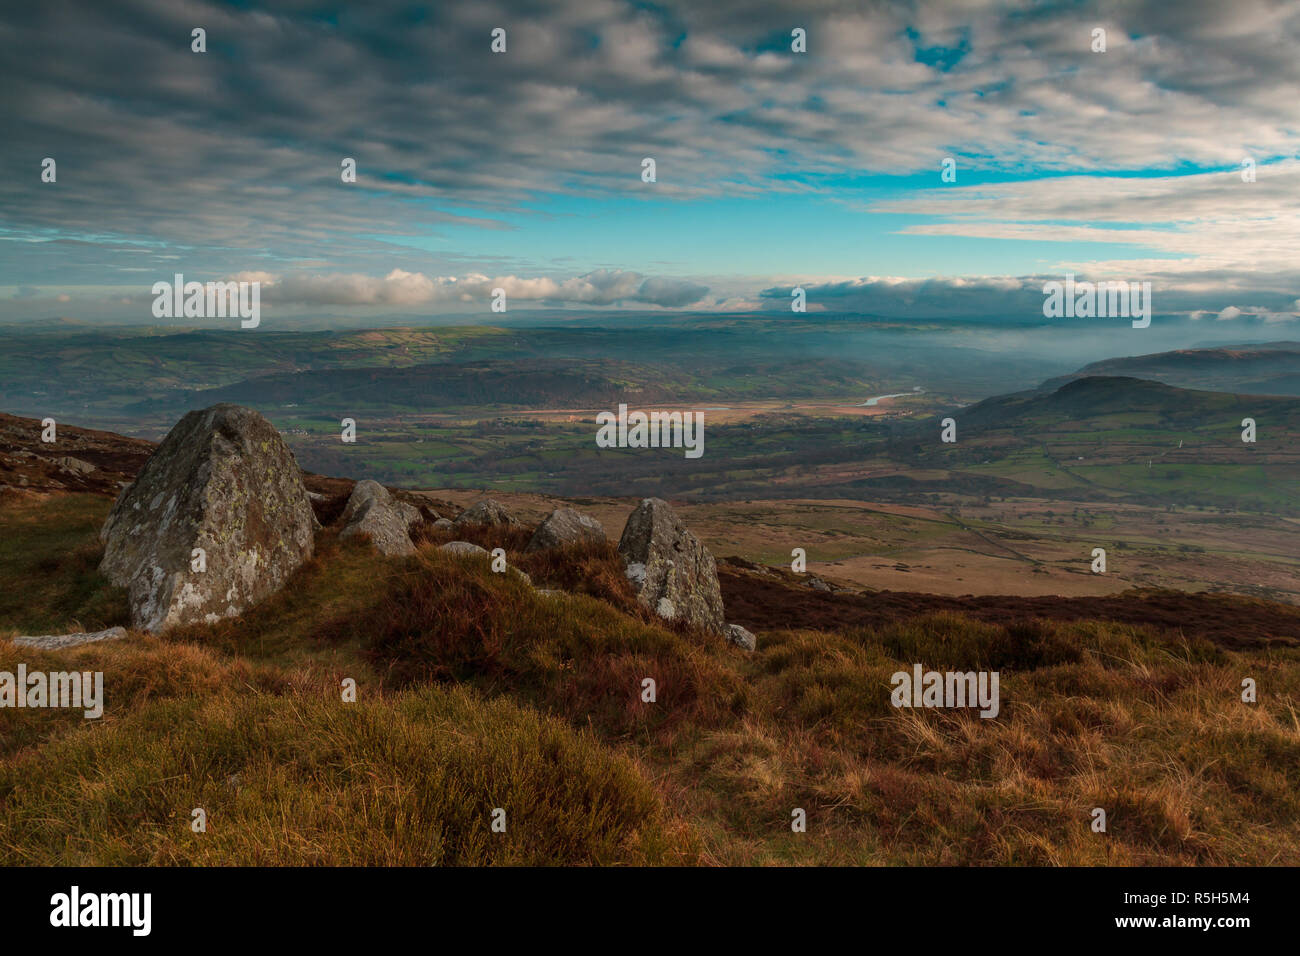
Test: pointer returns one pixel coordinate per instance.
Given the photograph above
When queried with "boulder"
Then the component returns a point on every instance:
(224, 481)
(486, 512)
(673, 573)
(565, 526)
(444, 524)
(372, 510)
(55, 642)
(740, 637)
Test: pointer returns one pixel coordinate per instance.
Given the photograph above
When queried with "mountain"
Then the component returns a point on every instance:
(1268, 369)
(1097, 396)
(1111, 438)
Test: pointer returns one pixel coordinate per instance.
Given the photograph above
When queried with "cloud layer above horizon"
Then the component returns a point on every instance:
(522, 170)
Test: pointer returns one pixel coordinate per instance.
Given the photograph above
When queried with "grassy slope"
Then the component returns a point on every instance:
(475, 693)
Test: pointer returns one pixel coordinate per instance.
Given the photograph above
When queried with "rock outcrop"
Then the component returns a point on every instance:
(673, 573)
(486, 512)
(372, 510)
(217, 520)
(75, 465)
(565, 526)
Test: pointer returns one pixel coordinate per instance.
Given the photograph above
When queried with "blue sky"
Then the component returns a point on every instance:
(522, 170)
(814, 234)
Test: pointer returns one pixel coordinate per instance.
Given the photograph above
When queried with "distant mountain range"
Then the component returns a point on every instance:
(1269, 369)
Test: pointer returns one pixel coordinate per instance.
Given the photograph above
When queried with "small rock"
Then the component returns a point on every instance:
(741, 637)
(486, 512)
(463, 547)
(473, 550)
(54, 642)
(565, 526)
(75, 465)
(372, 510)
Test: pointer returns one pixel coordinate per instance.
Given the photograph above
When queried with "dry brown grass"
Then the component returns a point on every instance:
(472, 685)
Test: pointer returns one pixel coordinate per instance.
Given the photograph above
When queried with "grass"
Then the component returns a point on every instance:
(475, 692)
(300, 778)
(49, 555)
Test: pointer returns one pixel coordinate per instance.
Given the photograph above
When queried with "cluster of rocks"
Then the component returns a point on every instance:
(78, 460)
(218, 518)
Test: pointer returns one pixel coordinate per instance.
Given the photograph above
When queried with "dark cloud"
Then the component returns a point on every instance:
(1018, 300)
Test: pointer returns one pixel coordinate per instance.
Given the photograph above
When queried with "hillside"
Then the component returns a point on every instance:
(476, 691)
(1099, 396)
(1119, 439)
(141, 378)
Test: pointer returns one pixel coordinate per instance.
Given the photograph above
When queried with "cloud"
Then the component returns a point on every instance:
(940, 297)
(402, 289)
(1012, 300)
(252, 132)
(231, 158)
(1206, 235)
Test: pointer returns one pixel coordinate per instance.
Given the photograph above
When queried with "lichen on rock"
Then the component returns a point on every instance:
(222, 481)
(672, 571)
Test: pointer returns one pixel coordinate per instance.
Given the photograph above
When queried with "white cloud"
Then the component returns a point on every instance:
(400, 288)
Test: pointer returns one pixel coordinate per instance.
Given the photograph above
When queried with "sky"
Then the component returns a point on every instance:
(522, 170)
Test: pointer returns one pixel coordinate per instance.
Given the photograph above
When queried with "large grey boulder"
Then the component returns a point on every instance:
(372, 510)
(565, 526)
(222, 481)
(486, 512)
(673, 573)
